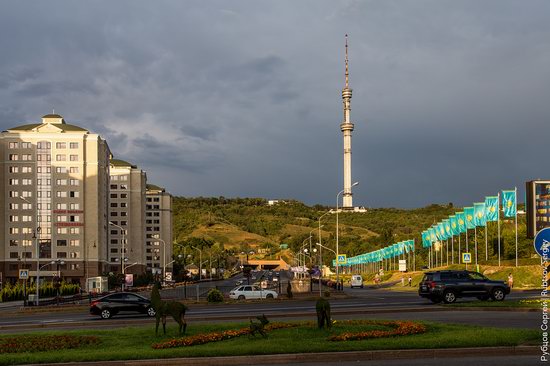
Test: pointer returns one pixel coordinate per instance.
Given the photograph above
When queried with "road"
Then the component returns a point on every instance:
(365, 303)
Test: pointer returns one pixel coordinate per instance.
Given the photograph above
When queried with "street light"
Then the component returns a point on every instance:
(200, 262)
(35, 236)
(122, 252)
(163, 258)
(320, 254)
(337, 232)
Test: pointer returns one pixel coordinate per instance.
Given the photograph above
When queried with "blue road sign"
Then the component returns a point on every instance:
(466, 257)
(342, 259)
(542, 243)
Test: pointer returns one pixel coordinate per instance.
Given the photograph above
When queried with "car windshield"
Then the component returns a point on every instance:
(477, 276)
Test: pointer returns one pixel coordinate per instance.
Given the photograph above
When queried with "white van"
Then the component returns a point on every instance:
(356, 281)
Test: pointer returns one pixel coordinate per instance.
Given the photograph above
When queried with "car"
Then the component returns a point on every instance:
(356, 281)
(251, 292)
(112, 304)
(449, 285)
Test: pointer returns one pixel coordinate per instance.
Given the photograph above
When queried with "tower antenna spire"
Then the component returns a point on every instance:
(347, 67)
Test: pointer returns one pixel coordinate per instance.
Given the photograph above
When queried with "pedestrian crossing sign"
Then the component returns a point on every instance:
(23, 274)
(342, 259)
(466, 257)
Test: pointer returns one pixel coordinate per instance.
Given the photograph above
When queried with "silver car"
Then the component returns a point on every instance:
(251, 292)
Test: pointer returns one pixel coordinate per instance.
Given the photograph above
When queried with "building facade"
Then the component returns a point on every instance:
(67, 201)
(54, 190)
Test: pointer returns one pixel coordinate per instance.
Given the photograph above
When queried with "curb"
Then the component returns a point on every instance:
(322, 358)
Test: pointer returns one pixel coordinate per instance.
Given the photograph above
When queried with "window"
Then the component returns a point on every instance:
(73, 157)
(14, 206)
(74, 194)
(74, 218)
(26, 145)
(73, 169)
(26, 206)
(13, 157)
(60, 145)
(75, 230)
(43, 157)
(61, 206)
(73, 145)
(44, 169)
(13, 145)
(61, 254)
(114, 195)
(14, 255)
(14, 182)
(26, 182)
(26, 230)
(26, 242)
(123, 177)
(114, 204)
(114, 241)
(26, 194)
(61, 194)
(114, 250)
(62, 230)
(14, 230)
(14, 169)
(61, 157)
(114, 186)
(61, 182)
(75, 242)
(114, 177)
(114, 214)
(123, 186)
(61, 242)
(61, 218)
(113, 232)
(75, 266)
(124, 213)
(74, 206)
(13, 218)
(26, 169)
(14, 242)
(123, 204)
(26, 157)
(74, 182)
(61, 169)
(75, 255)
(123, 195)
(123, 223)
(46, 194)
(44, 145)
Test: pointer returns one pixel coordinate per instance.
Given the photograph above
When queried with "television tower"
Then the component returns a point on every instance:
(347, 128)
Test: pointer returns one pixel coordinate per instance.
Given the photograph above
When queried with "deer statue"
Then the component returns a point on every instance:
(256, 327)
(163, 308)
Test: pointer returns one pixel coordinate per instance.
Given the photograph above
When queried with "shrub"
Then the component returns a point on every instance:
(214, 295)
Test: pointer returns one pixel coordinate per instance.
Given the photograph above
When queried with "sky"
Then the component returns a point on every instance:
(243, 98)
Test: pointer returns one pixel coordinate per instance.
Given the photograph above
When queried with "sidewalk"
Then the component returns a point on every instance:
(324, 358)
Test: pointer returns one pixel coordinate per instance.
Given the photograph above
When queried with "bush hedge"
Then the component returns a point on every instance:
(15, 292)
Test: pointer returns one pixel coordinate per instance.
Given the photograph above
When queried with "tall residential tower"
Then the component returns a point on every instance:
(347, 128)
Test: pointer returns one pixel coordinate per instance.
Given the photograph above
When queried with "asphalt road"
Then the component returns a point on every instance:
(365, 303)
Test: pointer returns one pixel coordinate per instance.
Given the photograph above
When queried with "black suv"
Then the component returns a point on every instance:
(447, 286)
(109, 305)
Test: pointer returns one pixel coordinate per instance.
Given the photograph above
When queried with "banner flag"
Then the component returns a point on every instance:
(441, 228)
(461, 218)
(447, 223)
(509, 203)
(455, 230)
(469, 215)
(426, 239)
(433, 235)
(491, 208)
(479, 214)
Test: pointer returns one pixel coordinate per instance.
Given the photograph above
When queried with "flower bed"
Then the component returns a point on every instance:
(399, 328)
(19, 344)
(215, 336)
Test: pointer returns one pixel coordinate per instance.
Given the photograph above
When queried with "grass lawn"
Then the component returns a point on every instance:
(135, 342)
(527, 304)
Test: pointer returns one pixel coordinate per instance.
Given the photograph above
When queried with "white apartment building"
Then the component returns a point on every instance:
(158, 229)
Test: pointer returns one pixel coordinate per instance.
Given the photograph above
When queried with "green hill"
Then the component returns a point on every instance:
(243, 224)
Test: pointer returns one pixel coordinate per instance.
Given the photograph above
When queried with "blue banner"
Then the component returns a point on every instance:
(461, 218)
(479, 214)
(469, 216)
(509, 203)
(455, 230)
(491, 208)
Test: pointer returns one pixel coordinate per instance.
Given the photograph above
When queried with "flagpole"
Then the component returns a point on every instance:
(475, 240)
(486, 245)
(516, 202)
(452, 249)
(459, 252)
(498, 226)
(447, 245)
(467, 251)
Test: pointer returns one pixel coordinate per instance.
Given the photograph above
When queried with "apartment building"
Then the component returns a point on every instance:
(54, 183)
(127, 217)
(158, 229)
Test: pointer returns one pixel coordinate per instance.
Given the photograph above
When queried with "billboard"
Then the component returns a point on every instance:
(537, 206)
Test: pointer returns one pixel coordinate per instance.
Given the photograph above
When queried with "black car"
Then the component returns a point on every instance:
(447, 286)
(109, 305)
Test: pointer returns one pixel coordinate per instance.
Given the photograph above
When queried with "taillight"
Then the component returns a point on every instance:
(431, 284)
(94, 303)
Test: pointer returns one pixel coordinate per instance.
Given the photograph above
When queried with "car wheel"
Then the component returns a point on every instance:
(483, 297)
(106, 314)
(435, 300)
(151, 311)
(269, 296)
(498, 294)
(449, 297)
(241, 297)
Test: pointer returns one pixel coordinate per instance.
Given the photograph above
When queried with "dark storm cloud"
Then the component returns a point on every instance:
(243, 98)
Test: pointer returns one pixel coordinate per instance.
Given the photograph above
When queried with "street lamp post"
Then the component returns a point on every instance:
(121, 252)
(320, 254)
(163, 259)
(200, 262)
(35, 237)
(337, 233)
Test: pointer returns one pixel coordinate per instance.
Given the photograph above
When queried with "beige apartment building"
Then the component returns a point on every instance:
(54, 183)
(61, 189)
(158, 229)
